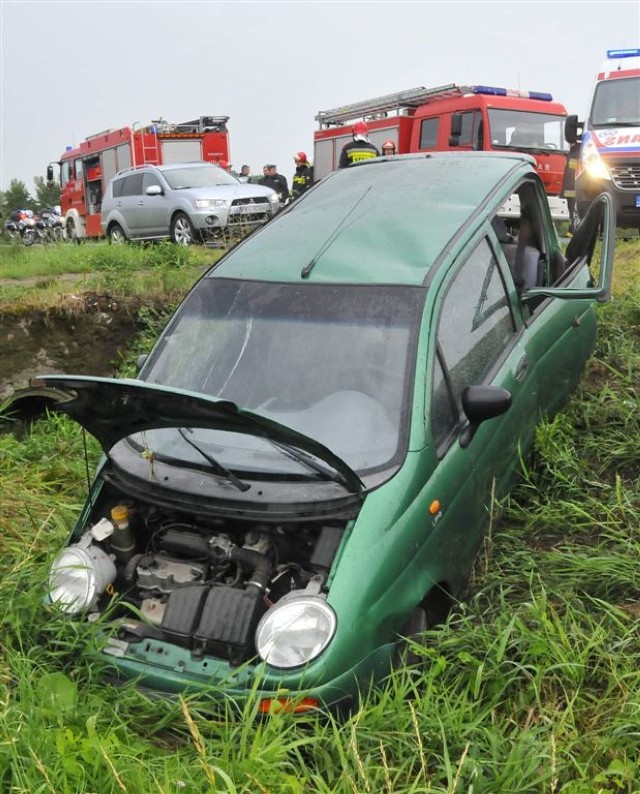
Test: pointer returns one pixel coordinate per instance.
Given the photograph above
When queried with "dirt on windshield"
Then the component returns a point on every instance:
(87, 334)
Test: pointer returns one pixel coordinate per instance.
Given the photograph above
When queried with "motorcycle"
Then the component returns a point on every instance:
(49, 226)
(45, 228)
(22, 224)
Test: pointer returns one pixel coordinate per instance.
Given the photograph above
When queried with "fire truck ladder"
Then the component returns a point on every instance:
(383, 105)
(150, 148)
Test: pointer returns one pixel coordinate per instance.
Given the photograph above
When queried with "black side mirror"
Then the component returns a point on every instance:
(49, 173)
(479, 404)
(571, 127)
(456, 129)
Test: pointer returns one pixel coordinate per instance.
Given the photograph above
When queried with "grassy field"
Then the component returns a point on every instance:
(533, 685)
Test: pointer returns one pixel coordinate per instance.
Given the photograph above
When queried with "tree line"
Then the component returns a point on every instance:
(17, 196)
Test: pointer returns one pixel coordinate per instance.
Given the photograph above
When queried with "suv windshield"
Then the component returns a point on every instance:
(332, 363)
(617, 102)
(198, 176)
(519, 129)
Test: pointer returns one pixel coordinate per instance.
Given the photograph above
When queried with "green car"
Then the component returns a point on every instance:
(299, 477)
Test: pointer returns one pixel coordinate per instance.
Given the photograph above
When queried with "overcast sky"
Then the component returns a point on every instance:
(72, 69)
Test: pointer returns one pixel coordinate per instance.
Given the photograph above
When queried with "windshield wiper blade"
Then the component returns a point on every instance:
(303, 457)
(217, 467)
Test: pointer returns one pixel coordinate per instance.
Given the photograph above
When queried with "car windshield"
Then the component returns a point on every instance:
(332, 363)
(521, 130)
(617, 102)
(198, 176)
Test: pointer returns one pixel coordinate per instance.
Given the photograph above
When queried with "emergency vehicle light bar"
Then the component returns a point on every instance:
(628, 53)
(413, 98)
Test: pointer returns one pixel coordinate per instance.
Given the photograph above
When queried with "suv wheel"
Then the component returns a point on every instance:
(116, 235)
(182, 231)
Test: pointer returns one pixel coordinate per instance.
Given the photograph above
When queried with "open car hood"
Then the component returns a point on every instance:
(113, 408)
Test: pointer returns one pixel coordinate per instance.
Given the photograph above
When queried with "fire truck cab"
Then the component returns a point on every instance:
(609, 158)
(456, 118)
(86, 169)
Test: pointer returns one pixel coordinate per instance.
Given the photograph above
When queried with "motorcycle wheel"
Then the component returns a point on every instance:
(28, 237)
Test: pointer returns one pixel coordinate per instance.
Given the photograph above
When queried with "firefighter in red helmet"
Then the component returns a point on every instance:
(388, 148)
(360, 148)
(303, 177)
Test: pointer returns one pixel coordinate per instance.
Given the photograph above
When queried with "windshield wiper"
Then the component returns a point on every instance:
(217, 467)
(304, 457)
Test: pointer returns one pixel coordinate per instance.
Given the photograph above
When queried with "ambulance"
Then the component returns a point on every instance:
(609, 139)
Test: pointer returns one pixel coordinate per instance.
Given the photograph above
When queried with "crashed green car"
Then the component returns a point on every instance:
(298, 479)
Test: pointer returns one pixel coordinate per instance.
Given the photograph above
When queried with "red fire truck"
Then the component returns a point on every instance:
(86, 169)
(456, 118)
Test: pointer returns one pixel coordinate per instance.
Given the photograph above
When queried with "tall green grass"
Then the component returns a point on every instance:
(533, 684)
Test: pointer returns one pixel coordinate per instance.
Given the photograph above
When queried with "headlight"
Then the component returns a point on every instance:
(295, 631)
(594, 164)
(79, 575)
(205, 203)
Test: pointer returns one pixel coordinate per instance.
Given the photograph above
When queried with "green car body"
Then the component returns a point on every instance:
(464, 324)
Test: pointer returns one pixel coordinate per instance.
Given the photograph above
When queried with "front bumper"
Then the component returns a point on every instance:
(162, 669)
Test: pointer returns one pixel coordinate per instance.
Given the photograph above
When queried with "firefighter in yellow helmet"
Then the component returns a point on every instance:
(360, 148)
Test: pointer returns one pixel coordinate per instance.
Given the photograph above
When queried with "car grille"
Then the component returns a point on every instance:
(626, 175)
(249, 211)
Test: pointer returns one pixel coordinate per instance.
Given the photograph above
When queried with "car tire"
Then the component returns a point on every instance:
(182, 231)
(411, 638)
(72, 233)
(116, 234)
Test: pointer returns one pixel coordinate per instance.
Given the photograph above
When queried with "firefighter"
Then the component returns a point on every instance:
(388, 148)
(276, 182)
(303, 177)
(569, 184)
(360, 148)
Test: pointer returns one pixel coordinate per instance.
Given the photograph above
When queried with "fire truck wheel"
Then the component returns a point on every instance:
(182, 231)
(116, 234)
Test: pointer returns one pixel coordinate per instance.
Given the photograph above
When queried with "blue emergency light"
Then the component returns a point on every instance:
(628, 53)
(489, 89)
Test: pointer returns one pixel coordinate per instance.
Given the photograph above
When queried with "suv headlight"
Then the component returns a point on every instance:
(78, 576)
(211, 203)
(295, 631)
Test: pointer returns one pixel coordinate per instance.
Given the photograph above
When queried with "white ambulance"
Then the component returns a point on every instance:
(610, 141)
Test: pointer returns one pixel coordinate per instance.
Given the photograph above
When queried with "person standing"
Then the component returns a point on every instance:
(303, 177)
(568, 191)
(360, 148)
(276, 182)
(245, 173)
(388, 148)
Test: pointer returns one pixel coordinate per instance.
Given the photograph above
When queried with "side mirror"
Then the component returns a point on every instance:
(49, 173)
(154, 190)
(479, 404)
(571, 127)
(456, 129)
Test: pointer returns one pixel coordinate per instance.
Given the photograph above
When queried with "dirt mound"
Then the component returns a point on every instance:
(86, 336)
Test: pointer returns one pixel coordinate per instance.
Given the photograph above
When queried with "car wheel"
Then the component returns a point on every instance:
(72, 233)
(116, 234)
(417, 623)
(182, 231)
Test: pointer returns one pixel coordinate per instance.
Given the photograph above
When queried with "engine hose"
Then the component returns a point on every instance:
(259, 565)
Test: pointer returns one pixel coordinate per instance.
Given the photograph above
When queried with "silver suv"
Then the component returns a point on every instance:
(186, 202)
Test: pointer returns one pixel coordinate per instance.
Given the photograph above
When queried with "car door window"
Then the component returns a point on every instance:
(132, 185)
(475, 328)
(149, 180)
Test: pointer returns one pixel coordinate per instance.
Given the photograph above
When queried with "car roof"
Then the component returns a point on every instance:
(386, 221)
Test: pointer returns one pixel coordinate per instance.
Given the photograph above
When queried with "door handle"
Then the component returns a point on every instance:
(521, 369)
(141, 203)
